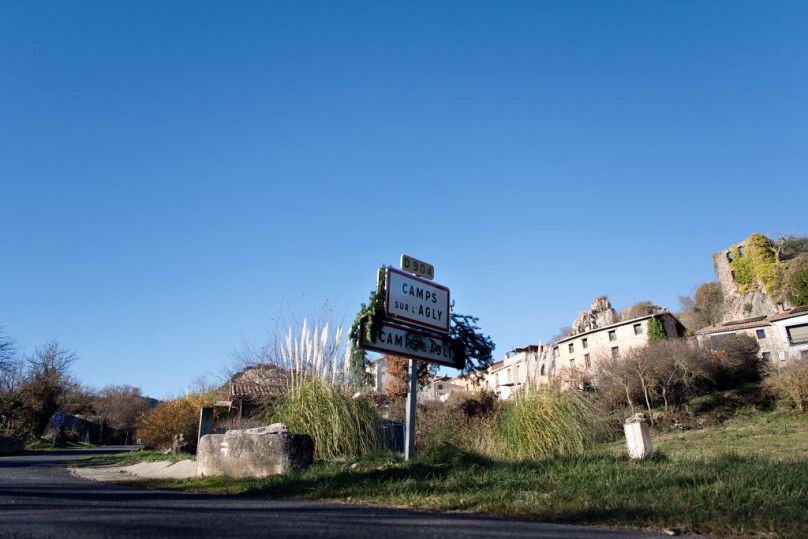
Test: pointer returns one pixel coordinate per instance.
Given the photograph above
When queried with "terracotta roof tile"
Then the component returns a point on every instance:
(734, 326)
(254, 390)
(788, 314)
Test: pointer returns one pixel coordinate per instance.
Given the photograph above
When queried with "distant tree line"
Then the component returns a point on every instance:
(35, 386)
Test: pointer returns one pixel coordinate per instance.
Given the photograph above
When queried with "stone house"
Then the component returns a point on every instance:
(579, 353)
(440, 388)
(600, 333)
(782, 336)
(247, 388)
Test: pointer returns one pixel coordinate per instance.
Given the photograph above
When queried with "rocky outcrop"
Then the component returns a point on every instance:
(257, 452)
(599, 315)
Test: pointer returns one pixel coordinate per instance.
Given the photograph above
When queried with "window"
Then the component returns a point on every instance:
(584, 343)
(613, 335)
(729, 256)
(741, 252)
(767, 356)
(440, 386)
(542, 370)
(555, 352)
(615, 352)
(637, 329)
(798, 334)
(571, 348)
(572, 363)
(587, 361)
(760, 334)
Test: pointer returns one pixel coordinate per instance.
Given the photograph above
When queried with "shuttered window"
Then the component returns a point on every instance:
(798, 334)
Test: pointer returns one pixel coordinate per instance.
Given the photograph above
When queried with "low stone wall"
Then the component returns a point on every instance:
(11, 445)
(253, 452)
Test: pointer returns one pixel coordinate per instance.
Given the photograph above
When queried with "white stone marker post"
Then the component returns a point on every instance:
(638, 437)
(409, 435)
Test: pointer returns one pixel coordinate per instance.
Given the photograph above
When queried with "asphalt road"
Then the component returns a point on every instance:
(40, 498)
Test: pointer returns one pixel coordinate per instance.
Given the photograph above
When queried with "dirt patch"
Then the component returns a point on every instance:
(182, 469)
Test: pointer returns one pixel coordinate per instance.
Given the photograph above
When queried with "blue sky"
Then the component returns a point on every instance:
(172, 175)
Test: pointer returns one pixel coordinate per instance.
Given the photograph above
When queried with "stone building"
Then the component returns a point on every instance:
(440, 388)
(249, 387)
(576, 356)
(596, 333)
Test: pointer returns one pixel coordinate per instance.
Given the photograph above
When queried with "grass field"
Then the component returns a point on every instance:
(746, 477)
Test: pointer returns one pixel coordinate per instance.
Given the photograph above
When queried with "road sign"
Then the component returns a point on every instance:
(416, 301)
(58, 419)
(412, 343)
(419, 268)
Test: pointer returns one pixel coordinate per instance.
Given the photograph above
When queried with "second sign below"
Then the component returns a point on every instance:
(411, 343)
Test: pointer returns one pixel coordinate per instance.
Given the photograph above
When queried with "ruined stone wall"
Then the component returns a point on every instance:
(739, 305)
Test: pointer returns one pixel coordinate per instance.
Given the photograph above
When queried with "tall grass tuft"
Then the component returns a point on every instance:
(544, 423)
(342, 427)
(318, 400)
(315, 353)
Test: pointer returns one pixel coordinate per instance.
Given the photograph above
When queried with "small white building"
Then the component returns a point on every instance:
(440, 388)
(791, 329)
(781, 336)
(513, 372)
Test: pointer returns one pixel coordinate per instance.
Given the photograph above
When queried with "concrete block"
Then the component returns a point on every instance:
(256, 452)
(638, 437)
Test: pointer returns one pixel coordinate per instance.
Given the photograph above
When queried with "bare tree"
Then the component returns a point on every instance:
(398, 375)
(7, 352)
(563, 333)
(641, 308)
(641, 366)
(788, 246)
(616, 375)
(705, 308)
(121, 407)
(679, 368)
(44, 388)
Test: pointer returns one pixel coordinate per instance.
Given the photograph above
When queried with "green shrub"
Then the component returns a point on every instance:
(544, 423)
(656, 330)
(757, 265)
(461, 422)
(796, 281)
(743, 272)
(177, 416)
(342, 427)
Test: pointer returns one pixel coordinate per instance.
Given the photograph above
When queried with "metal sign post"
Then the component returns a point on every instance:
(416, 321)
(409, 434)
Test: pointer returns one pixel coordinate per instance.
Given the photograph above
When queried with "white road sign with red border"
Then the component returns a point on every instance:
(417, 301)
